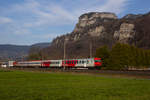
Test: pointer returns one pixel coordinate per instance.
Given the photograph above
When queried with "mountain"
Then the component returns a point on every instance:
(13, 52)
(96, 29)
(41, 45)
(18, 52)
(36, 48)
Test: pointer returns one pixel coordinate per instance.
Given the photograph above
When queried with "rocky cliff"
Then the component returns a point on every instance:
(96, 29)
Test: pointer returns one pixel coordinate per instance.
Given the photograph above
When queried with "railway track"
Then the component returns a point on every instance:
(128, 73)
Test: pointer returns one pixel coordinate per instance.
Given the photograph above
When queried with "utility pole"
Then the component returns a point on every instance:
(65, 40)
(42, 58)
(91, 48)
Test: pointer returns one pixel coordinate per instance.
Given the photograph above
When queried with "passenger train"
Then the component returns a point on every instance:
(67, 63)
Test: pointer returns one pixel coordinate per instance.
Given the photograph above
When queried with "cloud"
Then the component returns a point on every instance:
(116, 6)
(5, 20)
(21, 31)
(47, 36)
(29, 16)
(49, 14)
(56, 14)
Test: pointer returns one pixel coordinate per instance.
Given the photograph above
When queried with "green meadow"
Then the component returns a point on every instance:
(21, 85)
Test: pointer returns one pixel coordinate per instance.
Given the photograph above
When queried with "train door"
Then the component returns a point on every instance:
(46, 64)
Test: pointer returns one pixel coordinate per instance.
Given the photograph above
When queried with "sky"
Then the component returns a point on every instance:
(25, 22)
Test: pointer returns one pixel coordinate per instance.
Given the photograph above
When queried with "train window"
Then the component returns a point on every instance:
(97, 60)
(82, 62)
(75, 62)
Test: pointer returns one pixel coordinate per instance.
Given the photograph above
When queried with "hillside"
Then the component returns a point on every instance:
(13, 52)
(101, 29)
(18, 52)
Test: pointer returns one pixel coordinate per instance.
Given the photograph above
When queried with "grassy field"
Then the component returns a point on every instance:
(21, 85)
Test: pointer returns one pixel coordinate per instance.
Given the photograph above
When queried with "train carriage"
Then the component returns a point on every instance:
(52, 63)
(27, 64)
(86, 63)
(67, 63)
